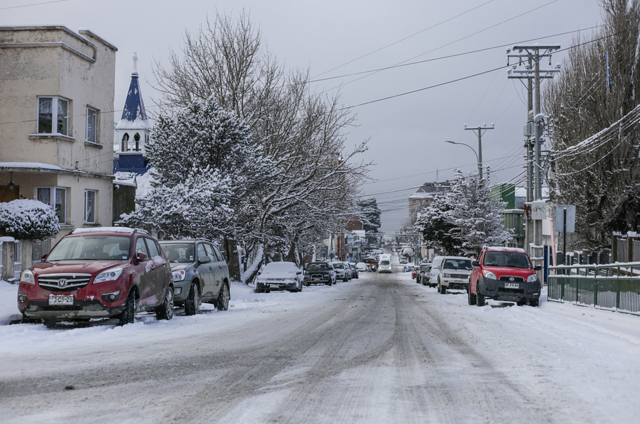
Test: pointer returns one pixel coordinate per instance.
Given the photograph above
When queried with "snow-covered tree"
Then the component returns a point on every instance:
(204, 169)
(476, 216)
(594, 107)
(313, 176)
(436, 228)
(26, 219)
(462, 221)
(369, 214)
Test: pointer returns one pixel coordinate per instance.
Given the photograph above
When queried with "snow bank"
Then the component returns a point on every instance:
(8, 302)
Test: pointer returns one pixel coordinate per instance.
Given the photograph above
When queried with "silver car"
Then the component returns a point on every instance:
(200, 274)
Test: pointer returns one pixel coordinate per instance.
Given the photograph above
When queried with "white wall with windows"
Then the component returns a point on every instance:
(55, 95)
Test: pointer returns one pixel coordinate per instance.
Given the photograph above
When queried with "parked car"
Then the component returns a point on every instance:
(385, 266)
(354, 270)
(98, 273)
(373, 264)
(424, 275)
(435, 270)
(280, 275)
(200, 274)
(454, 273)
(403, 260)
(504, 274)
(348, 271)
(319, 273)
(342, 271)
(362, 267)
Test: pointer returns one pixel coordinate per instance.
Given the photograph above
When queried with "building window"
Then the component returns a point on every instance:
(53, 115)
(90, 206)
(56, 197)
(92, 125)
(137, 139)
(125, 142)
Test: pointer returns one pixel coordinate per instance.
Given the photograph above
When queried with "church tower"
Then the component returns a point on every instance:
(132, 132)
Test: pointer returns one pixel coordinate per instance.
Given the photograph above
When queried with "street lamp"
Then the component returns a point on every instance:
(474, 152)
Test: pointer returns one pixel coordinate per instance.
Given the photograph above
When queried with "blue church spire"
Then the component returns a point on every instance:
(134, 105)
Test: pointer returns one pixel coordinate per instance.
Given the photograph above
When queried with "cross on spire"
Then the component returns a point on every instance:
(135, 62)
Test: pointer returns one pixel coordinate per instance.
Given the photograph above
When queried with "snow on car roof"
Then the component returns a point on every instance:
(504, 249)
(107, 230)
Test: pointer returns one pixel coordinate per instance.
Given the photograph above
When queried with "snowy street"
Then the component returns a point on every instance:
(380, 349)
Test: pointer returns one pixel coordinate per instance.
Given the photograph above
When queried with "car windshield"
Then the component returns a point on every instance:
(179, 253)
(93, 248)
(507, 259)
(338, 266)
(385, 263)
(457, 264)
(425, 268)
(317, 267)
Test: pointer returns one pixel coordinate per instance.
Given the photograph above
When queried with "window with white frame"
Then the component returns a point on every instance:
(90, 206)
(92, 125)
(56, 197)
(53, 115)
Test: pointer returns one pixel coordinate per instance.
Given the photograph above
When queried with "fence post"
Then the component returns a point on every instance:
(614, 248)
(595, 287)
(629, 257)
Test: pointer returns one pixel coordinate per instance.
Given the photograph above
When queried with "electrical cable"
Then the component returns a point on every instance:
(450, 43)
(402, 39)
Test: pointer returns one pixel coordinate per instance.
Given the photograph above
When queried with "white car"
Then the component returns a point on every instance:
(280, 276)
(454, 273)
(342, 271)
(385, 266)
(435, 270)
(362, 267)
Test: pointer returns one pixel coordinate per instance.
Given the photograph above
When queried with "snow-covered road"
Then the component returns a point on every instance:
(381, 349)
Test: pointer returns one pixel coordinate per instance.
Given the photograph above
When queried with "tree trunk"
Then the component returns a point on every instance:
(291, 255)
(230, 247)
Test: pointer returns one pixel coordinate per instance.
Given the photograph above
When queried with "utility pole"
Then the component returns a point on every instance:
(530, 57)
(479, 131)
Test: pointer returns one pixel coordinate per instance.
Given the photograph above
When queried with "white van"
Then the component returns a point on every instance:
(435, 269)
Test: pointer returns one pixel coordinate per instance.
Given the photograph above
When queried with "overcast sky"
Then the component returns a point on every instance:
(406, 133)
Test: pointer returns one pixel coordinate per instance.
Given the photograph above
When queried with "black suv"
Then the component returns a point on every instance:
(319, 273)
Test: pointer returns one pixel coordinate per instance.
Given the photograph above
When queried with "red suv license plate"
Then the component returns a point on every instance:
(511, 286)
(60, 299)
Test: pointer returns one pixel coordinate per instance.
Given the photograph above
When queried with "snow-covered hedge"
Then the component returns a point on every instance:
(26, 219)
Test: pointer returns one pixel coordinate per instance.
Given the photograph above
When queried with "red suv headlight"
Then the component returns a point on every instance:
(108, 275)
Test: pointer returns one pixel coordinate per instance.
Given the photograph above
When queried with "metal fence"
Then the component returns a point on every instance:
(614, 287)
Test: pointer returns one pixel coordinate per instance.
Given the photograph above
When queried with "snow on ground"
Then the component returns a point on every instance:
(554, 349)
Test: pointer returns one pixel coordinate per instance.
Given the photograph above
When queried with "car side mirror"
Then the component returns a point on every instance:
(44, 257)
(475, 263)
(204, 260)
(537, 268)
(142, 257)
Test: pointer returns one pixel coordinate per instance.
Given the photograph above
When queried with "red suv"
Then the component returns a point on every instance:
(504, 273)
(98, 273)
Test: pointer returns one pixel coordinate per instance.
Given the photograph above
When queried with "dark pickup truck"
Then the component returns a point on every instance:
(319, 273)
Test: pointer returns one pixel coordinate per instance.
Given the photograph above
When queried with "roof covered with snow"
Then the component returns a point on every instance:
(29, 165)
(107, 230)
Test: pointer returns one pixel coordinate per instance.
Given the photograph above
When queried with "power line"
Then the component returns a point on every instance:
(401, 40)
(453, 42)
(468, 76)
(402, 64)
(33, 4)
